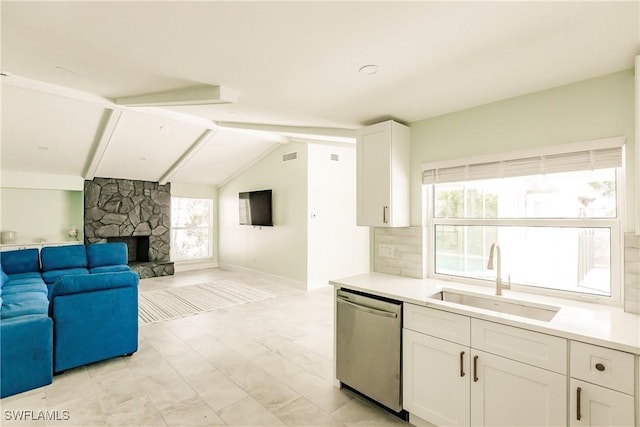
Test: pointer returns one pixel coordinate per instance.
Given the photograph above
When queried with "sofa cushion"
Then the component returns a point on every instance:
(63, 257)
(94, 282)
(28, 281)
(109, 269)
(20, 276)
(20, 261)
(13, 286)
(103, 254)
(24, 303)
(13, 289)
(51, 276)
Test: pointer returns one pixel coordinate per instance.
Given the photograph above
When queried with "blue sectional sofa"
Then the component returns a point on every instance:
(64, 307)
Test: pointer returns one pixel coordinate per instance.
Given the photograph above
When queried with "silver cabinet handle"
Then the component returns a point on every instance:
(367, 309)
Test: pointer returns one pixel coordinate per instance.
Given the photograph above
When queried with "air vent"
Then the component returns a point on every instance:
(335, 157)
(290, 156)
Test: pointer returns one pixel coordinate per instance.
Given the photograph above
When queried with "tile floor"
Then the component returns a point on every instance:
(267, 363)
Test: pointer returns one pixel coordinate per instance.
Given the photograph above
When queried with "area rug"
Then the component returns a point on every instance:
(166, 304)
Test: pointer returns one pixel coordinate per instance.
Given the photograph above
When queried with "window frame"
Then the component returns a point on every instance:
(208, 227)
(616, 226)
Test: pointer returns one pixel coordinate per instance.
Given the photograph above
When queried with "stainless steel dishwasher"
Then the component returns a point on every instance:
(368, 335)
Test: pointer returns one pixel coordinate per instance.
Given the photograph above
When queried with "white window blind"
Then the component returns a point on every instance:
(594, 158)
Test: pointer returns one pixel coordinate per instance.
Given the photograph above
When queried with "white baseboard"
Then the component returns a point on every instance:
(317, 285)
(181, 266)
(297, 283)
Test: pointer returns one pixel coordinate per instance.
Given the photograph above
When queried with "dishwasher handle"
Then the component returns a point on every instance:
(367, 309)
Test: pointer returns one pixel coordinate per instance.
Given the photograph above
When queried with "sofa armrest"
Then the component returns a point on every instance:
(67, 285)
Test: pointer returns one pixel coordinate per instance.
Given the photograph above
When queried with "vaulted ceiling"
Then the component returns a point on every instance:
(293, 66)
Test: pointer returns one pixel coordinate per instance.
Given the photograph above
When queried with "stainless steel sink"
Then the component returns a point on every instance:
(499, 304)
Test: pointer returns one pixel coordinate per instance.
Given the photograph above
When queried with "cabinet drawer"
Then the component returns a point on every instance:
(533, 348)
(603, 366)
(441, 324)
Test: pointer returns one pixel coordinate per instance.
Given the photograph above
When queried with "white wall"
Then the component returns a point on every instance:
(280, 250)
(195, 191)
(41, 214)
(337, 247)
(591, 109)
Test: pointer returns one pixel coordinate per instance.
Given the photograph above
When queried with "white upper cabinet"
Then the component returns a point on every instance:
(383, 175)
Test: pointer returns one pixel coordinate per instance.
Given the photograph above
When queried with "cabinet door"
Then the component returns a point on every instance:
(509, 393)
(374, 175)
(599, 406)
(435, 379)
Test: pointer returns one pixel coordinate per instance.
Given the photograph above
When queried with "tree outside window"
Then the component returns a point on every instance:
(191, 229)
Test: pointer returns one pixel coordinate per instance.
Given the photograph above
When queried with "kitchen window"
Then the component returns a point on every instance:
(191, 229)
(555, 215)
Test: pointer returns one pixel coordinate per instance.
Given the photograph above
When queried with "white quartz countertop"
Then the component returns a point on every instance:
(598, 324)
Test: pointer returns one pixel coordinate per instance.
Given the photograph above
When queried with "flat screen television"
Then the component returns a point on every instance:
(255, 208)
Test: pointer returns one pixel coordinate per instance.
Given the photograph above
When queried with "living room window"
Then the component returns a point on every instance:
(191, 229)
(555, 215)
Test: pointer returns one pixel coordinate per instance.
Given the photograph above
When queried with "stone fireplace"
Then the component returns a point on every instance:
(137, 213)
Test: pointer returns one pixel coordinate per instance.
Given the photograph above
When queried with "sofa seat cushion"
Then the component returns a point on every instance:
(63, 257)
(20, 261)
(20, 276)
(106, 254)
(23, 304)
(109, 269)
(17, 283)
(51, 276)
(12, 289)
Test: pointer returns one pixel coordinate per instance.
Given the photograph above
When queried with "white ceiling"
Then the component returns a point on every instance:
(294, 66)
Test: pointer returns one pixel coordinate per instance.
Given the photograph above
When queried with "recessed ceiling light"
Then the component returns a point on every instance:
(43, 148)
(368, 69)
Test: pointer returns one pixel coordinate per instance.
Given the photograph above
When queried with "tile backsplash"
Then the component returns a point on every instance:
(631, 273)
(400, 251)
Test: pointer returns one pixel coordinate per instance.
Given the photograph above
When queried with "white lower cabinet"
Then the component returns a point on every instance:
(509, 393)
(593, 405)
(436, 379)
(601, 387)
(449, 383)
(20, 246)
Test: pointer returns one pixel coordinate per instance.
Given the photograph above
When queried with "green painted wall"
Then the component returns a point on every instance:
(597, 108)
(41, 214)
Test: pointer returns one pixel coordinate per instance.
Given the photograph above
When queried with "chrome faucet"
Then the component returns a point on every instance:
(499, 285)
